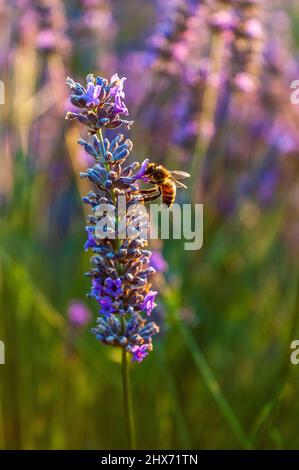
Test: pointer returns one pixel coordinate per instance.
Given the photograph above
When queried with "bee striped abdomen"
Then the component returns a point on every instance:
(168, 191)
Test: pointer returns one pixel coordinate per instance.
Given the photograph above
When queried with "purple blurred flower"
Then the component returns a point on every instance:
(222, 21)
(253, 29)
(78, 314)
(42, 23)
(244, 82)
(268, 183)
(158, 262)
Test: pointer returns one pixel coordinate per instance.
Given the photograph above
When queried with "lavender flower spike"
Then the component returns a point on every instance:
(121, 272)
(100, 102)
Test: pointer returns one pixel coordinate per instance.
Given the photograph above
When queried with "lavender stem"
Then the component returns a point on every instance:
(128, 407)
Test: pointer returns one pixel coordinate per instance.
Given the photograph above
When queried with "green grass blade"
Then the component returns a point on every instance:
(213, 387)
(179, 415)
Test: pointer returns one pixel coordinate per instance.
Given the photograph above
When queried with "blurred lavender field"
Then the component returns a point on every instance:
(209, 89)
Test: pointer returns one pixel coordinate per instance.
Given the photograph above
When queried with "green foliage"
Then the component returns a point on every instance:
(219, 378)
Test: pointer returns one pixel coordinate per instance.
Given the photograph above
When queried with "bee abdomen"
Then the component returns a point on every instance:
(168, 190)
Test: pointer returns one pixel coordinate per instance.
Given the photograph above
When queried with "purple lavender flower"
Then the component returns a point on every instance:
(90, 242)
(117, 91)
(107, 305)
(149, 302)
(92, 94)
(113, 287)
(140, 352)
(97, 289)
(141, 171)
(135, 334)
(100, 102)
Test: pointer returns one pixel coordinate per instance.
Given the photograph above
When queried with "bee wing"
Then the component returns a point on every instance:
(179, 184)
(179, 174)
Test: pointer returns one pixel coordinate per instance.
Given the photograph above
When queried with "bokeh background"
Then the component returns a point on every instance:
(209, 89)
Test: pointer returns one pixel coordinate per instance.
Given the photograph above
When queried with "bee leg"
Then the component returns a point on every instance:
(152, 198)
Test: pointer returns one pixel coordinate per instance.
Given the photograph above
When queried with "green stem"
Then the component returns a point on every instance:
(128, 407)
(101, 139)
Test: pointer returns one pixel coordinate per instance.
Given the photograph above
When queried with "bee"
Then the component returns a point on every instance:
(165, 182)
